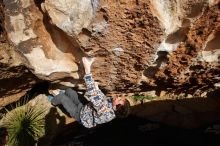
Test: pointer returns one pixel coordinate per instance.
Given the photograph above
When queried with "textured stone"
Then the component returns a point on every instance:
(144, 45)
(70, 15)
(35, 40)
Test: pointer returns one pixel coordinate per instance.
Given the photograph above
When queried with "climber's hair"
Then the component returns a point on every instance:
(122, 111)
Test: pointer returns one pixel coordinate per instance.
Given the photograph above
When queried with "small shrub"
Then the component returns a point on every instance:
(25, 125)
(142, 97)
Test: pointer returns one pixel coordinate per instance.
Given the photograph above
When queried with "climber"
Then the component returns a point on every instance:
(99, 110)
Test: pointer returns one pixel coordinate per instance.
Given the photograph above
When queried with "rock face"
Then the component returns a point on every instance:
(192, 67)
(15, 78)
(139, 45)
(38, 41)
(71, 16)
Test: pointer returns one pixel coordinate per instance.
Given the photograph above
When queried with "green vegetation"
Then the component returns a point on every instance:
(25, 124)
(142, 97)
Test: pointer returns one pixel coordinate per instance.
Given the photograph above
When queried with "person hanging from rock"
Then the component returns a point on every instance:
(100, 109)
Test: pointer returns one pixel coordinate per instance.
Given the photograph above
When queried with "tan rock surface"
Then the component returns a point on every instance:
(139, 45)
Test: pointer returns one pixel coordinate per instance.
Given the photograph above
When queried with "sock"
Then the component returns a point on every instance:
(49, 97)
